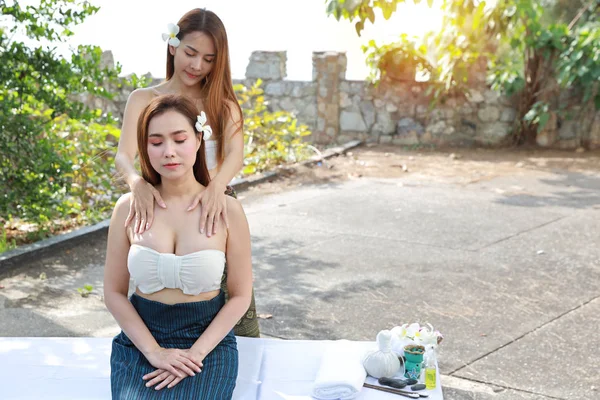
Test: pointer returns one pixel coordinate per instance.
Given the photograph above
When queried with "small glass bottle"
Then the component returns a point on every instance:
(430, 369)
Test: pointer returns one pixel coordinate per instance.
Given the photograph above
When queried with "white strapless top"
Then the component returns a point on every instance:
(193, 273)
(210, 150)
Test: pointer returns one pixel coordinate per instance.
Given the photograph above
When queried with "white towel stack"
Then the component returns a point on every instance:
(341, 374)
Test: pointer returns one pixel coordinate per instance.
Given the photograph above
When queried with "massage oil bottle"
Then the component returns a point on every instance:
(430, 369)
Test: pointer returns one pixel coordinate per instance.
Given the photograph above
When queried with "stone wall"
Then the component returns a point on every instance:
(294, 96)
(399, 112)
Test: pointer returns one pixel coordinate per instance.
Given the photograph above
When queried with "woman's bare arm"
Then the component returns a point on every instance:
(127, 150)
(239, 281)
(233, 159)
(116, 281)
(213, 198)
(141, 208)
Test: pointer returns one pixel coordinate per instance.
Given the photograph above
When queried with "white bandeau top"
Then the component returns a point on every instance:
(210, 150)
(193, 273)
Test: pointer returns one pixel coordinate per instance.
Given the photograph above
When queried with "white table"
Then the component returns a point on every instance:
(79, 369)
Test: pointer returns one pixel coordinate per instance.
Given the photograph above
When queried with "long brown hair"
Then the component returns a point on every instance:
(217, 89)
(158, 106)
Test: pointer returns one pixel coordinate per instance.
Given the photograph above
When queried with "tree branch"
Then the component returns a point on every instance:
(580, 14)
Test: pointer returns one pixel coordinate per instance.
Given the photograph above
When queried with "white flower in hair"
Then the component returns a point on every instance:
(171, 37)
(201, 126)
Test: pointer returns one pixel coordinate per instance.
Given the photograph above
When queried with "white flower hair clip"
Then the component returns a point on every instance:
(201, 126)
(171, 37)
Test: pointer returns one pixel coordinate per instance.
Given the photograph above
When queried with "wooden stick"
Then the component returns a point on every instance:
(392, 390)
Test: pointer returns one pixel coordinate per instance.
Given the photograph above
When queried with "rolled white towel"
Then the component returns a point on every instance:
(341, 373)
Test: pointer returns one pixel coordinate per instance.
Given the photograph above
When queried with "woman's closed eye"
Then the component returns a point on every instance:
(191, 55)
(179, 138)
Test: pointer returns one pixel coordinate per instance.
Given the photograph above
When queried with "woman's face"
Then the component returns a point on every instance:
(172, 145)
(194, 58)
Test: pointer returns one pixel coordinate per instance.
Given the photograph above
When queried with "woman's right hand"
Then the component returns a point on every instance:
(141, 205)
(176, 361)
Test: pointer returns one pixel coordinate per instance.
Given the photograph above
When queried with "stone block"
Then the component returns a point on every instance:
(495, 132)
(491, 96)
(345, 100)
(352, 121)
(409, 139)
(385, 139)
(407, 126)
(489, 114)
(391, 108)
(267, 65)
(508, 114)
(475, 96)
(384, 124)
(368, 112)
(275, 88)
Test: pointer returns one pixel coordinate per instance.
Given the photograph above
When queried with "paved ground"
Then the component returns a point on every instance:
(507, 267)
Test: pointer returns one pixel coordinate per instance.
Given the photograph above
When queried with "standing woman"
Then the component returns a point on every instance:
(197, 67)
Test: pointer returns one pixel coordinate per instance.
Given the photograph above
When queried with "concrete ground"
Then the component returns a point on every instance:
(507, 268)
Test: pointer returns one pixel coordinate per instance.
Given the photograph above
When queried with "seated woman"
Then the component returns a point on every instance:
(176, 327)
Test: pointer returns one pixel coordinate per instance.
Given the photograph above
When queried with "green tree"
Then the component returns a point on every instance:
(54, 149)
(270, 138)
(533, 48)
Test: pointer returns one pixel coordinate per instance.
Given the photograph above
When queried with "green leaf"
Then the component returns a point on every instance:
(330, 7)
(543, 120)
(386, 10)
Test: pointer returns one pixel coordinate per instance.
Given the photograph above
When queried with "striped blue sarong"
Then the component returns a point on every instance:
(174, 326)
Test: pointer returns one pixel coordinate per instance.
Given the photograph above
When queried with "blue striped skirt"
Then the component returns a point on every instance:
(174, 326)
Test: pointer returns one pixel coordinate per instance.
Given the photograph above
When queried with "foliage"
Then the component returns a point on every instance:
(270, 138)
(447, 56)
(402, 58)
(363, 10)
(55, 157)
(85, 291)
(534, 48)
(6, 243)
(88, 152)
(552, 56)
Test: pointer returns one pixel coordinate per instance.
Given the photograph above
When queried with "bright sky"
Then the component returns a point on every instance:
(132, 30)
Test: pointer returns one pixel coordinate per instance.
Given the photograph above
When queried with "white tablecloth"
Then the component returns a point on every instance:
(79, 369)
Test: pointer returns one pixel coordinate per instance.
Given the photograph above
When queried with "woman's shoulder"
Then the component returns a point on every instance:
(235, 211)
(234, 110)
(121, 209)
(141, 96)
(146, 94)
(231, 103)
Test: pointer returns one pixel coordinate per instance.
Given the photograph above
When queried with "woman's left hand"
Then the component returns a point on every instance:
(214, 206)
(162, 378)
